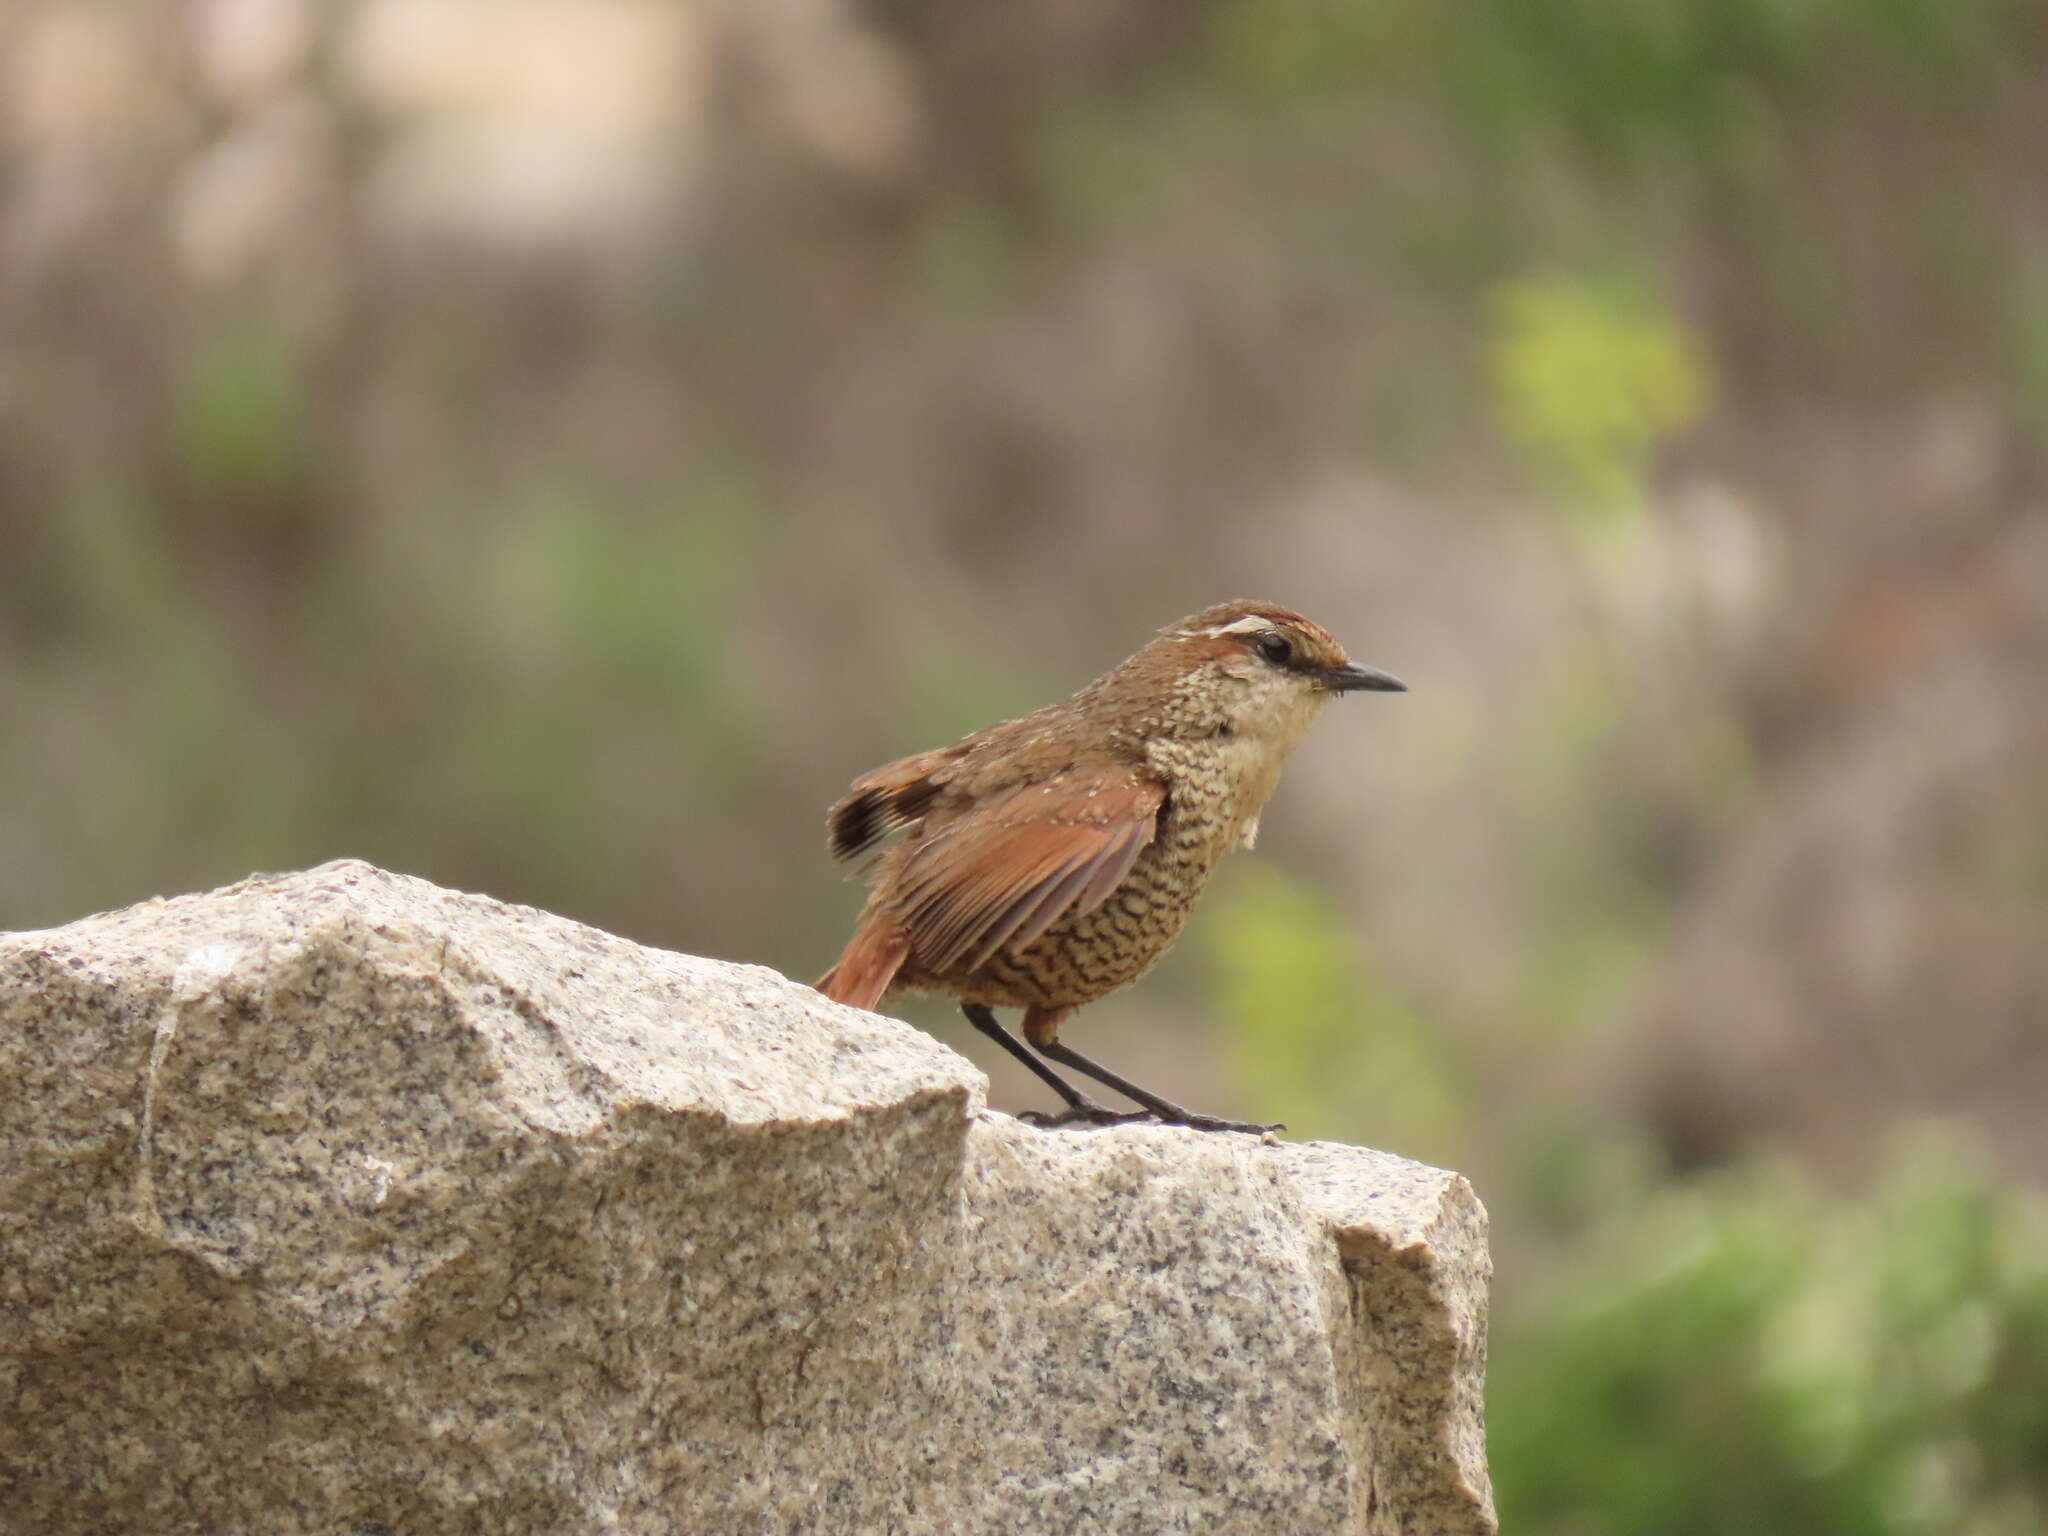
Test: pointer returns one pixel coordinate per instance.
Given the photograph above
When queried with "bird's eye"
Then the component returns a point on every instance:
(1276, 648)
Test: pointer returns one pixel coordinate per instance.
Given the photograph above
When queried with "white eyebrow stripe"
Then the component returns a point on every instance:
(1250, 624)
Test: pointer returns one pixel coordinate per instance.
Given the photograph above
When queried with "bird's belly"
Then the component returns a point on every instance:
(1081, 958)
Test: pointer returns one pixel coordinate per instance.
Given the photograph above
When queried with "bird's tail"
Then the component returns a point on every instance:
(873, 957)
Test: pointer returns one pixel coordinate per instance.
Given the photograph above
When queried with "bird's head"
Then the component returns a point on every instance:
(1253, 671)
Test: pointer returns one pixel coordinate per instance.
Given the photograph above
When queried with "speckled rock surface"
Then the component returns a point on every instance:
(338, 1200)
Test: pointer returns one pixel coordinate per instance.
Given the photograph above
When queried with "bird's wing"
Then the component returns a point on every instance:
(1001, 874)
(886, 800)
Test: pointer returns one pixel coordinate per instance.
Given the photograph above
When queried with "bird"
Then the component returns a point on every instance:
(1043, 862)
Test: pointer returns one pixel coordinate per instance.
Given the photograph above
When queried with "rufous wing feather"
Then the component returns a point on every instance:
(1002, 874)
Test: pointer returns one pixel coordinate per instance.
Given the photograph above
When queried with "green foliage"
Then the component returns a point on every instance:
(1577, 134)
(2025, 342)
(1291, 48)
(114, 565)
(1745, 1353)
(575, 583)
(1588, 378)
(2010, 865)
(965, 260)
(240, 425)
(1622, 78)
(1099, 167)
(431, 691)
(164, 674)
(1583, 830)
(1314, 1032)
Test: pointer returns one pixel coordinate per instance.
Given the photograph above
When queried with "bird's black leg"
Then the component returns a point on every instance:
(1165, 1109)
(1080, 1108)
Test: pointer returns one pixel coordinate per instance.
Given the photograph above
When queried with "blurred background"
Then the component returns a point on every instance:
(550, 446)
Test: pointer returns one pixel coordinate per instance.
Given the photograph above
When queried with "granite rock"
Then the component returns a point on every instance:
(336, 1200)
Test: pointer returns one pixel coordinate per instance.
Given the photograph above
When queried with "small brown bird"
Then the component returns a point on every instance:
(1051, 859)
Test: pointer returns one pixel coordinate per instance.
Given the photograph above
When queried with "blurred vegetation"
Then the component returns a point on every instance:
(1590, 379)
(1658, 385)
(1869, 1363)
(296, 752)
(1684, 77)
(1313, 1027)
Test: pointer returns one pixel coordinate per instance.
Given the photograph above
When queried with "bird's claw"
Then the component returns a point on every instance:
(1212, 1123)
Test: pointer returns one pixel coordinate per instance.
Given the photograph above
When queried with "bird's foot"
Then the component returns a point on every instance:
(1086, 1115)
(1212, 1123)
(1091, 1115)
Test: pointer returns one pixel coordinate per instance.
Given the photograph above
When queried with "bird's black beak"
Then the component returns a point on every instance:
(1353, 678)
